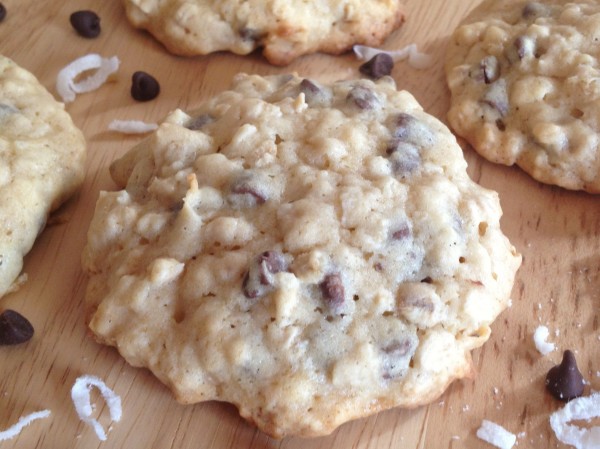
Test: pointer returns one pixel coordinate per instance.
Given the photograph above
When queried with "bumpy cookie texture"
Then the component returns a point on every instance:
(285, 29)
(524, 82)
(310, 253)
(42, 157)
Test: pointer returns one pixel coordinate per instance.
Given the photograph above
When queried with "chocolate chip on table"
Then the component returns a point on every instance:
(2, 12)
(332, 289)
(14, 328)
(86, 23)
(378, 66)
(564, 381)
(144, 86)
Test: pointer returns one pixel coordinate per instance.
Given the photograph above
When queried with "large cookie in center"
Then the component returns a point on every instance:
(309, 253)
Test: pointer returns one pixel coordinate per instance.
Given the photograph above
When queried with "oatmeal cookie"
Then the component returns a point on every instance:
(310, 253)
(284, 29)
(42, 157)
(525, 88)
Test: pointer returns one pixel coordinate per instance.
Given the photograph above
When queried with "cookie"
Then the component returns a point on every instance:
(525, 91)
(42, 157)
(283, 29)
(310, 253)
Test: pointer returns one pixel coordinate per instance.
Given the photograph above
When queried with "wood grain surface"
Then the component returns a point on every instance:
(556, 231)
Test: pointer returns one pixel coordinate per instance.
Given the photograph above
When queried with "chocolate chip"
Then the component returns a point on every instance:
(396, 357)
(86, 23)
(405, 157)
(259, 278)
(378, 66)
(14, 328)
(332, 290)
(564, 381)
(251, 186)
(407, 128)
(363, 97)
(497, 97)
(401, 233)
(308, 87)
(490, 68)
(533, 10)
(525, 46)
(249, 34)
(144, 87)
(2, 12)
(198, 122)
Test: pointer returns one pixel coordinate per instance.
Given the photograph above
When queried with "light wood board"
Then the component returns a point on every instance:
(558, 233)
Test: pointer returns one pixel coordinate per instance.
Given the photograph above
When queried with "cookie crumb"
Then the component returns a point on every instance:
(539, 337)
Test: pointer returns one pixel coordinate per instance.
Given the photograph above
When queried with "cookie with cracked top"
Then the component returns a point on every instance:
(524, 91)
(284, 30)
(42, 157)
(310, 253)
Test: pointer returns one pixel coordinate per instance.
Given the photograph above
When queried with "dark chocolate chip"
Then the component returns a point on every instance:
(401, 233)
(490, 68)
(86, 23)
(249, 34)
(332, 289)
(198, 122)
(533, 10)
(363, 97)
(14, 328)
(2, 12)
(259, 277)
(308, 87)
(378, 66)
(564, 381)
(396, 357)
(497, 97)
(144, 87)
(247, 187)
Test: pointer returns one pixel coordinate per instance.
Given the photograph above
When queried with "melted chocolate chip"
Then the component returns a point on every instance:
(14, 328)
(564, 381)
(491, 69)
(198, 122)
(248, 186)
(2, 12)
(401, 233)
(533, 10)
(363, 97)
(333, 290)
(378, 66)
(395, 357)
(86, 23)
(308, 87)
(144, 87)
(259, 277)
(497, 97)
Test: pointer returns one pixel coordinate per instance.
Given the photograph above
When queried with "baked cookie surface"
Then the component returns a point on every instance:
(42, 157)
(285, 29)
(525, 88)
(309, 253)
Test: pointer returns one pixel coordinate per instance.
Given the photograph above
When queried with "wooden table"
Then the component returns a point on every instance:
(558, 233)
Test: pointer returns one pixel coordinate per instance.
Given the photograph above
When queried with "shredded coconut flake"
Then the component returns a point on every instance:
(416, 59)
(539, 338)
(66, 86)
(80, 394)
(131, 126)
(496, 435)
(587, 407)
(24, 421)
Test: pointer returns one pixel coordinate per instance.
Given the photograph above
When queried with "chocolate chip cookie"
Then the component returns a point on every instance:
(42, 157)
(310, 253)
(525, 90)
(283, 29)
